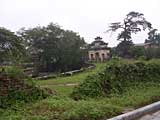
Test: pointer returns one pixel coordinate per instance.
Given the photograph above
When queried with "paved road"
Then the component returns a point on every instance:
(153, 116)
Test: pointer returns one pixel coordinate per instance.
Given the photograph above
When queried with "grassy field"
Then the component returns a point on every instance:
(59, 84)
(65, 108)
(62, 107)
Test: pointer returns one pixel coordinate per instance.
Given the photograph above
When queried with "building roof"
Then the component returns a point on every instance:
(98, 44)
(98, 38)
(98, 48)
(98, 41)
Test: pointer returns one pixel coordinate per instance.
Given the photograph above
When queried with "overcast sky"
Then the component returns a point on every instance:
(89, 18)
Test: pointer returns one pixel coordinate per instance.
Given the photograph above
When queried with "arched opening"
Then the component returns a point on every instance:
(92, 57)
(97, 56)
(103, 56)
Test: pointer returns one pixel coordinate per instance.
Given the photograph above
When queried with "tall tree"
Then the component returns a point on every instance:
(134, 22)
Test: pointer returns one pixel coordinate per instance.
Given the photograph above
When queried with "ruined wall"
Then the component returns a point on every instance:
(7, 84)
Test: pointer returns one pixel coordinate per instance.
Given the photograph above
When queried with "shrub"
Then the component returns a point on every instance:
(14, 72)
(117, 77)
(89, 88)
(23, 96)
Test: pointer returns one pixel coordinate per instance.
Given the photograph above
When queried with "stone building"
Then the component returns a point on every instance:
(98, 50)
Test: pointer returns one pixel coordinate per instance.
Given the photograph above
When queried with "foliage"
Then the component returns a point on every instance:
(137, 52)
(153, 37)
(53, 47)
(151, 53)
(154, 42)
(63, 90)
(11, 46)
(14, 72)
(123, 49)
(117, 77)
(91, 110)
(59, 84)
(22, 96)
(133, 22)
(57, 108)
(89, 88)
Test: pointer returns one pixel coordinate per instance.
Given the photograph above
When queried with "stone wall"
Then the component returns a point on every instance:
(7, 83)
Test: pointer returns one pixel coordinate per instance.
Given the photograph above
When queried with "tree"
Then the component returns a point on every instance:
(153, 37)
(11, 46)
(71, 54)
(134, 22)
(56, 49)
(152, 53)
(154, 40)
(123, 49)
(138, 52)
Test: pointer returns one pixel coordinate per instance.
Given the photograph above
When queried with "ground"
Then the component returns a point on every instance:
(152, 116)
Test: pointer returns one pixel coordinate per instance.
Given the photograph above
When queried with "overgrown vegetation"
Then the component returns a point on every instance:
(65, 108)
(18, 88)
(117, 77)
(62, 107)
(57, 108)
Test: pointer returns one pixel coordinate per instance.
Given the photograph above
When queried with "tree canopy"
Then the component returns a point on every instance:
(134, 22)
(56, 49)
(153, 37)
(11, 46)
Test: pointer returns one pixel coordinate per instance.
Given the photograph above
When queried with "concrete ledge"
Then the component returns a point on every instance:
(138, 112)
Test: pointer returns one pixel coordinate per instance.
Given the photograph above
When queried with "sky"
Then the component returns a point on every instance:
(89, 18)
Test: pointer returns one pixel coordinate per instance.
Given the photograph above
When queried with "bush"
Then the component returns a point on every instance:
(89, 88)
(13, 71)
(20, 97)
(117, 77)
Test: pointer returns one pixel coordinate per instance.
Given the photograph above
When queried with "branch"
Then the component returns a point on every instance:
(114, 26)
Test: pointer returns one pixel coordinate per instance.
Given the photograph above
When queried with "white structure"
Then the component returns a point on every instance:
(98, 50)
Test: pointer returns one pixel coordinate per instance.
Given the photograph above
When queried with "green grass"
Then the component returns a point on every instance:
(65, 108)
(137, 96)
(62, 90)
(58, 84)
(71, 79)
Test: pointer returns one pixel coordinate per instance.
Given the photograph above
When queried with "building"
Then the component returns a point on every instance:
(147, 45)
(98, 50)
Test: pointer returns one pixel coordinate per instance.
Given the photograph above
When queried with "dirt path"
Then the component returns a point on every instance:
(66, 84)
